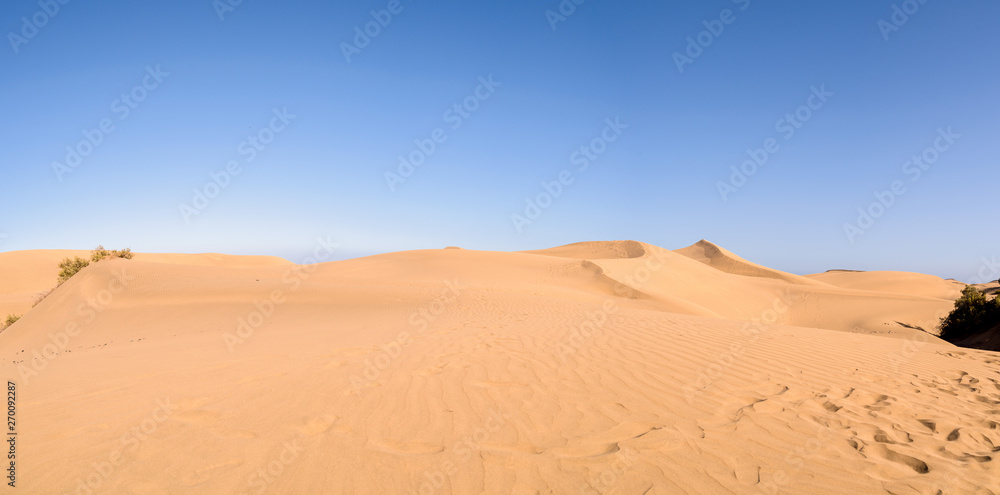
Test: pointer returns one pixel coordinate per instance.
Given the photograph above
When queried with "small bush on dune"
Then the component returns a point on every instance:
(11, 319)
(69, 267)
(100, 253)
(973, 313)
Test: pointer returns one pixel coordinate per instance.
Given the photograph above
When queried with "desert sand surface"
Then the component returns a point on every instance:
(598, 367)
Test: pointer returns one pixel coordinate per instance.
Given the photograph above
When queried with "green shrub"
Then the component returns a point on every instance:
(69, 267)
(973, 313)
(11, 319)
(100, 253)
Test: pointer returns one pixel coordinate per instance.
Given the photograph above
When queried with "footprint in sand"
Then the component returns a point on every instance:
(329, 365)
(403, 448)
(317, 426)
(747, 471)
(192, 411)
(881, 451)
(954, 435)
(585, 450)
(658, 439)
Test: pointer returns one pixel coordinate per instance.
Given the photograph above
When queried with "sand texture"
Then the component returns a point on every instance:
(598, 367)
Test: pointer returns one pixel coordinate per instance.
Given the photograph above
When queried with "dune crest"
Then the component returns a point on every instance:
(596, 250)
(723, 260)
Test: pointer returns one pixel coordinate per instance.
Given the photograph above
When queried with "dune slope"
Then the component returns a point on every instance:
(614, 367)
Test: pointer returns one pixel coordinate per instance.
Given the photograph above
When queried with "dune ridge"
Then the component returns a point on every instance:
(723, 260)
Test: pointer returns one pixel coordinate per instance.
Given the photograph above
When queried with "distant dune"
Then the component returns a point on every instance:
(595, 367)
(911, 284)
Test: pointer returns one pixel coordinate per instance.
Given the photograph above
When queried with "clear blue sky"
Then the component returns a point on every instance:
(323, 174)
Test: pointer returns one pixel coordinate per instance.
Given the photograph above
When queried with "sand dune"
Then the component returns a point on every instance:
(29, 275)
(599, 367)
(913, 284)
(706, 280)
(723, 260)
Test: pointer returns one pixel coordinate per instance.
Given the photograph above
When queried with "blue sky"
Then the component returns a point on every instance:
(560, 72)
